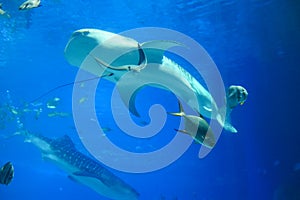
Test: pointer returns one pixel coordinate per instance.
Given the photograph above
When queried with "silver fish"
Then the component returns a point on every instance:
(6, 173)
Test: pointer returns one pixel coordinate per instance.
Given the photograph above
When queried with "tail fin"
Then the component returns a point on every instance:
(181, 111)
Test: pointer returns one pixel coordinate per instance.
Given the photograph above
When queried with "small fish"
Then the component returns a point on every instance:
(59, 114)
(197, 127)
(6, 173)
(83, 99)
(25, 110)
(52, 104)
(14, 111)
(36, 104)
(29, 4)
(3, 12)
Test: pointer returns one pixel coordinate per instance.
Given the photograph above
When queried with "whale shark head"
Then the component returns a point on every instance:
(112, 48)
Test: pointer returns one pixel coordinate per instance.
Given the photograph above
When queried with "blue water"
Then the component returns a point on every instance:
(254, 43)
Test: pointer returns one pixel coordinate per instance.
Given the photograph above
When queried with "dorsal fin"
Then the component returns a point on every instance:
(155, 49)
(65, 141)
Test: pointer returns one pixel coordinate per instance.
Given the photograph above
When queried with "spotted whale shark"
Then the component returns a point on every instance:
(125, 57)
(81, 168)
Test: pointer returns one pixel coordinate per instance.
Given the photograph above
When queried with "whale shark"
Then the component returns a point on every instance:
(125, 57)
(81, 168)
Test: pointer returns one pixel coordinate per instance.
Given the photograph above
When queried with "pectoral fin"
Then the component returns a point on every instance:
(81, 173)
(72, 178)
(128, 94)
(77, 176)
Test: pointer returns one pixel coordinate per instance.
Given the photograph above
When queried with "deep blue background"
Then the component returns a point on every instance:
(254, 43)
